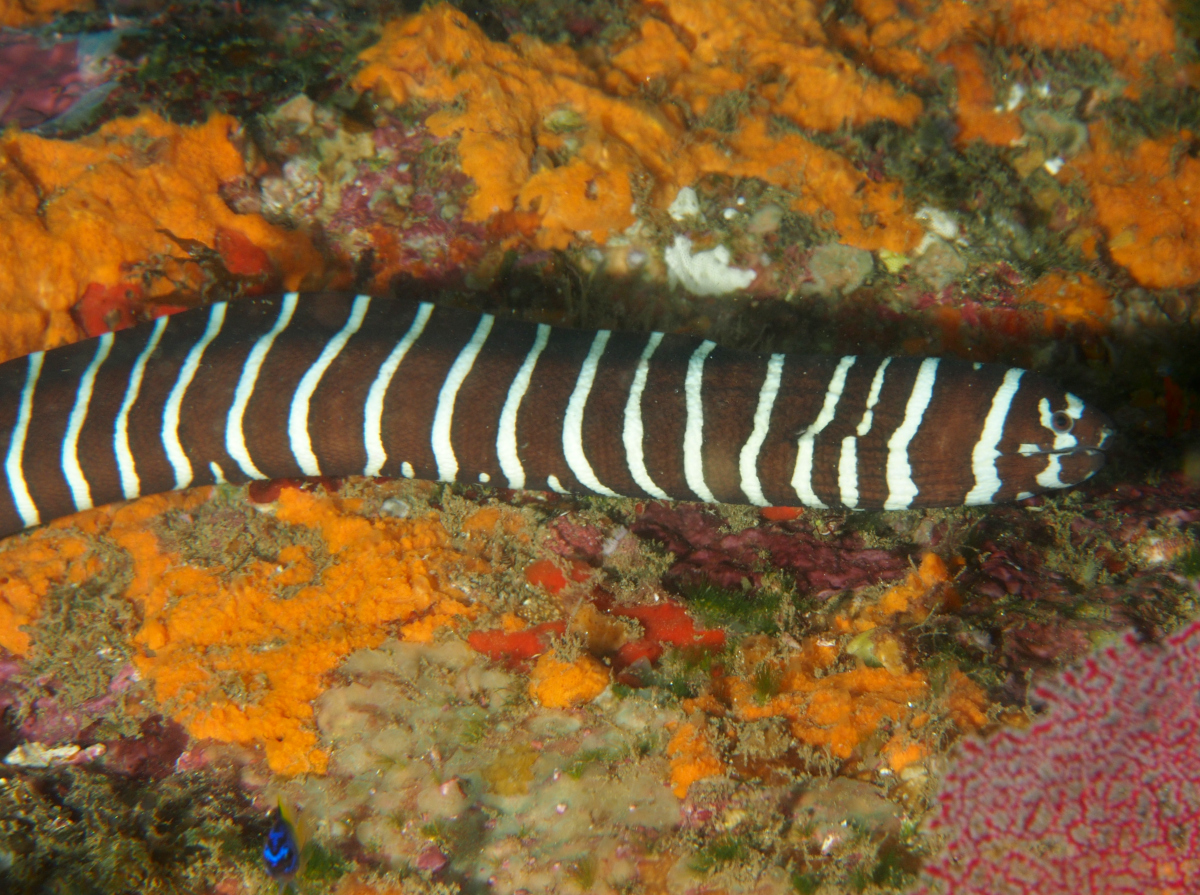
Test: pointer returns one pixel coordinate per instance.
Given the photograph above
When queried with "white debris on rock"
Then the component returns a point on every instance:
(939, 225)
(39, 755)
(1016, 93)
(704, 273)
(686, 204)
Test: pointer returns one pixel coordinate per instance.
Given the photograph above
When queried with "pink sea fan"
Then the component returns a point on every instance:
(1100, 796)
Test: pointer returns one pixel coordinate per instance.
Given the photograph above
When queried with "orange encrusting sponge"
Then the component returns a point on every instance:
(1145, 199)
(835, 711)
(238, 656)
(776, 50)
(1129, 35)
(242, 662)
(23, 13)
(29, 568)
(692, 758)
(78, 212)
(559, 685)
(542, 130)
(1071, 298)
(847, 714)
(900, 38)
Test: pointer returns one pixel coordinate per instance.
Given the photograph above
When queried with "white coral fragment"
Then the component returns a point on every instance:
(939, 225)
(686, 204)
(704, 273)
(39, 755)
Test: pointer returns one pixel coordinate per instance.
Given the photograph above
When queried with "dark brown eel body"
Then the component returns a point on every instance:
(337, 384)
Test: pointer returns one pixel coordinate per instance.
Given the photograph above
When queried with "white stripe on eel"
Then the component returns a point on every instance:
(298, 435)
(901, 487)
(235, 436)
(693, 433)
(987, 448)
(14, 462)
(848, 460)
(506, 439)
(802, 476)
(633, 432)
(373, 411)
(131, 485)
(81, 491)
(848, 472)
(868, 419)
(572, 441)
(170, 428)
(443, 416)
(748, 459)
(1049, 477)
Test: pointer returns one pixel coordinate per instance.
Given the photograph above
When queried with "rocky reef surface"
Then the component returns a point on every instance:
(462, 689)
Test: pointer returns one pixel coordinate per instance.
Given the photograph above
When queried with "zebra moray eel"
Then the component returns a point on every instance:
(335, 384)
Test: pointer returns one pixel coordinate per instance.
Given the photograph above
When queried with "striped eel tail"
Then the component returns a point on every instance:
(337, 384)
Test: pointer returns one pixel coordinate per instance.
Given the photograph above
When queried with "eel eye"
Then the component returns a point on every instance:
(1061, 422)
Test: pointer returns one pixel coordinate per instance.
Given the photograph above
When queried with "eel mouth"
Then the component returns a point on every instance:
(1078, 464)
(1078, 451)
(1104, 434)
(1064, 467)
(1064, 453)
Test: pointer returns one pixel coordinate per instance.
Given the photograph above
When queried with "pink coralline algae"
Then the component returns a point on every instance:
(412, 210)
(706, 552)
(1101, 795)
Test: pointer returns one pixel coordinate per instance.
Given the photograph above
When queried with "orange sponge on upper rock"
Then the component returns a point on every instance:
(1145, 199)
(85, 211)
(540, 130)
(776, 50)
(514, 100)
(1131, 35)
(1071, 298)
